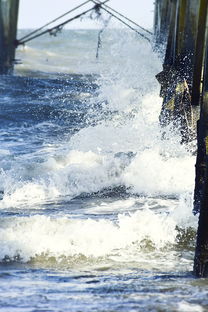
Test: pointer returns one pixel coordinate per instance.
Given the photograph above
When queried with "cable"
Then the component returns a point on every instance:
(58, 27)
(51, 22)
(119, 19)
(97, 6)
(128, 19)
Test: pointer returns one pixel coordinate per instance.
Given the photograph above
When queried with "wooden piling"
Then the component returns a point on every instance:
(177, 76)
(174, 80)
(8, 29)
(201, 181)
(170, 49)
(180, 30)
(161, 21)
(199, 54)
(184, 87)
(190, 35)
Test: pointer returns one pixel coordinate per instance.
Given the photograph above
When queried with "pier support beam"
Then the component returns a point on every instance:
(199, 54)
(201, 254)
(201, 181)
(8, 30)
(161, 21)
(177, 75)
(184, 87)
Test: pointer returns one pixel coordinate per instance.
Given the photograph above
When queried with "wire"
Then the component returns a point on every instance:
(58, 27)
(119, 19)
(128, 19)
(56, 19)
(98, 5)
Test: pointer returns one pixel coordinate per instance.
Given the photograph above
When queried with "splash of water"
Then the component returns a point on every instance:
(121, 145)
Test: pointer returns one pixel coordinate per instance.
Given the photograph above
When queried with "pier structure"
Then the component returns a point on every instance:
(8, 30)
(180, 29)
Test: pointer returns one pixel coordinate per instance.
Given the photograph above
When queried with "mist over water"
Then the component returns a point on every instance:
(96, 207)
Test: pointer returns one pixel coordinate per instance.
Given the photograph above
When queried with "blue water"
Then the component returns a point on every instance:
(96, 209)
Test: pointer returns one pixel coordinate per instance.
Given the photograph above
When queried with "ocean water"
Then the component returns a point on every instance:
(96, 204)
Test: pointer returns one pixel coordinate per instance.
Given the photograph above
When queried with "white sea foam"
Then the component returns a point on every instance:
(184, 306)
(29, 237)
(124, 148)
(151, 173)
(89, 164)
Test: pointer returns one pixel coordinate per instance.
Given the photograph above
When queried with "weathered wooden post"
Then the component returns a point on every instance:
(8, 30)
(184, 82)
(190, 36)
(161, 21)
(201, 182)
(170, 49)
(173, 80)
(177, 75)
(199, 54)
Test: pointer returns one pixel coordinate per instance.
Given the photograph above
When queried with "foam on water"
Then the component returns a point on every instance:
(123, 239)
(123, 146)
(28, 237)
